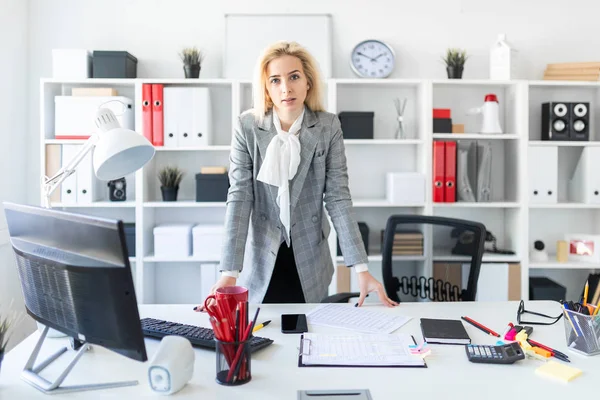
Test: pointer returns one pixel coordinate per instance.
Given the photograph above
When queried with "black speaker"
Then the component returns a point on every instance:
(556, 121)
(580, 121)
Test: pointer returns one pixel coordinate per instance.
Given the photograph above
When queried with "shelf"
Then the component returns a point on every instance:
(190, 259)
(565, 205)
(381, 203)
(475, 136)
(97, 204)
(383, 141)
(65, 141)
(184, 204)
(487, 258)
(92, 81)
(541, 83)
(200, 148)
(190, 81)
(472, 82)
(379, 258)
(467, 204)
(553, 264)
(552, 143)
(382, 82)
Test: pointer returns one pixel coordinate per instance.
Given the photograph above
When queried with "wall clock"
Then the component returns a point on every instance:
(372, 59)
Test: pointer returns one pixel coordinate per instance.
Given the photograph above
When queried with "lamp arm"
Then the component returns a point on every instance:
(49, 185)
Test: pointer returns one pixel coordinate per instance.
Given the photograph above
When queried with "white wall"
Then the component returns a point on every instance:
(155, 30)
(14, 151)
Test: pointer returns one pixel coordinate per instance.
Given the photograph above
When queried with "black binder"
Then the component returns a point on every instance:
(444, 331)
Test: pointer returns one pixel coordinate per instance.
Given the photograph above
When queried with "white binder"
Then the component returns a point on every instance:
(68, 189)
(187, 117)
(171, 106)
(584, 186)
(543, 174)
(86, 181)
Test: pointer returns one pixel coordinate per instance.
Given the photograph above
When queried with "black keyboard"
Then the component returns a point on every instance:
(198, 336)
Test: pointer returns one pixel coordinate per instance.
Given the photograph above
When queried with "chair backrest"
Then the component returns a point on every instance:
(468, 248)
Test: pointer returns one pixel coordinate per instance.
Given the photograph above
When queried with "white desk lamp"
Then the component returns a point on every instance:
(117, 152)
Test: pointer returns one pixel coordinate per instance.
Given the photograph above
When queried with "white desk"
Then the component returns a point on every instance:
(275, 374)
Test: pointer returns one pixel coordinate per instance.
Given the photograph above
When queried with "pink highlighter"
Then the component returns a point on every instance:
(510, 332)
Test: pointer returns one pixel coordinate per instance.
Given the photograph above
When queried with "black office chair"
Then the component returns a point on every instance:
(465, 244)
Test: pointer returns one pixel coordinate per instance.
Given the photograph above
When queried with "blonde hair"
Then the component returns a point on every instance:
(262, 102)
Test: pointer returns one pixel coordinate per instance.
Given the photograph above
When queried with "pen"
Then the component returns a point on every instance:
(260, 326)
(479, 326)
(543, 346)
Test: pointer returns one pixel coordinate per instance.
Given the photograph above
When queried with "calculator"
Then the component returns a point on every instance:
(505, 354)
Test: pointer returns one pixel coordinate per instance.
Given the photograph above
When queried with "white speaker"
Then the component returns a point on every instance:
(172, 366)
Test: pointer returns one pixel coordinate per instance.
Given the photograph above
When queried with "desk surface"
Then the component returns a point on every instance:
(275, 374)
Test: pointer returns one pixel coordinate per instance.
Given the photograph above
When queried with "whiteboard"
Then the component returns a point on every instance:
(247, 35)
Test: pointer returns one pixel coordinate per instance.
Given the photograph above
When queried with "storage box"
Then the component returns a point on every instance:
(357, 124)
(114, 64)
(442, 125)
(207, 241)
(71, 63)
(405, 188)
(173, 240)
(212, 187)
(74, 116)
(542, 288)
(364, 233)
(130, 238)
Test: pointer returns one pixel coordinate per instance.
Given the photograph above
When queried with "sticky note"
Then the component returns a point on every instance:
(558, 371)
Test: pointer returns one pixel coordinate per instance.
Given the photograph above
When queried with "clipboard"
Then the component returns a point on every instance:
(305, 349)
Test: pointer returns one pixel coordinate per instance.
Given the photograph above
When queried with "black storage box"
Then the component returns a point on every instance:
(212, 187)
(364, 232)
(114, 64)
(442, 125)
(542, 288)
(357, 124)
(129, 228)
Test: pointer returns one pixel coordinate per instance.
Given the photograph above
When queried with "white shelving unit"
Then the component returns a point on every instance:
(509, 216)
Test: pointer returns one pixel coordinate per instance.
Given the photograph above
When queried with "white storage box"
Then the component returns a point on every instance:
(405, 188)
(74, 115)
(173, 240)
(207, 241)
(71, 63)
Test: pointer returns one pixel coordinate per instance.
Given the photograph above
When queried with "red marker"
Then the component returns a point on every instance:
(508, 328)
(479, 326)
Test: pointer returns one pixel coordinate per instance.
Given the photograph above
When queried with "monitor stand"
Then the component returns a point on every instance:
(30, 373)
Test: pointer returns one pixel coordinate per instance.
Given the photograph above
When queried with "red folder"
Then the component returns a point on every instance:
(450, 172)
(158, 138)
(147, 111)
(438, 171)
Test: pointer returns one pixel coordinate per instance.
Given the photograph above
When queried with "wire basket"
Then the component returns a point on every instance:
(582, 332)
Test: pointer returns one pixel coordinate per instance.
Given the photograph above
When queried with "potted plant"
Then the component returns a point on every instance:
(7, 321)
(455, 62)
(192, 60)
(170, 178)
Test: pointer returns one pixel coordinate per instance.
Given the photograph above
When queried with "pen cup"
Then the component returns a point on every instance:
(233, 362)
(582, 332)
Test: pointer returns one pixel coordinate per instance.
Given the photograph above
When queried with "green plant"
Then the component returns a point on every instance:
(191, 56)
(170, 177)
(8, 319)
(455, 58)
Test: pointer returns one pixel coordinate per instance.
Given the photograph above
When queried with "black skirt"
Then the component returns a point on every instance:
(285, 286)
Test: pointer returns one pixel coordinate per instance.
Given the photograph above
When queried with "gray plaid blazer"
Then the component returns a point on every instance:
(253, 231)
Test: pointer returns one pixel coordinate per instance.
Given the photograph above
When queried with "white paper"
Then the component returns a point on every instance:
(356, 319)
(364, 350)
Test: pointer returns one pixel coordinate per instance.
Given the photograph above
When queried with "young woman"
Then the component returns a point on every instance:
(287, 157)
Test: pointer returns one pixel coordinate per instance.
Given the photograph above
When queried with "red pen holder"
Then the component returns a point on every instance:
(233, 362)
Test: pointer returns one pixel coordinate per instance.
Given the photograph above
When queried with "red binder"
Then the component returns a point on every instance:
(158, 138)
(438, 171)
(147, 111)
(450, 172)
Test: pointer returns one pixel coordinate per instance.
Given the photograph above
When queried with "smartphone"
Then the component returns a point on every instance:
(293, 323)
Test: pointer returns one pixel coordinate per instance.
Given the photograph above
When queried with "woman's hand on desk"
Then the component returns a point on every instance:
(367, 284)
(222, 282)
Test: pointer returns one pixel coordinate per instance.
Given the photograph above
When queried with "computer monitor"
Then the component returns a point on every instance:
(76, 278)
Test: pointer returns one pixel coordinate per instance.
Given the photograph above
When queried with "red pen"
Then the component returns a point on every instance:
(479, 326)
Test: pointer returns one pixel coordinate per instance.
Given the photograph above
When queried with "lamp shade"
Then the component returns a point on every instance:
(120, 152)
